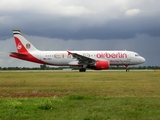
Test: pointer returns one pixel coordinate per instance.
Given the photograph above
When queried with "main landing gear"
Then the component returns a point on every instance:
(127, 69)
(82, 70)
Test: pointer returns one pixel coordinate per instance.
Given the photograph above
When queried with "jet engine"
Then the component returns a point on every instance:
(100, 65)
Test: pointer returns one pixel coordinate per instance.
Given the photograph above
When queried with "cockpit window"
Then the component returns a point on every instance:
(136, 55)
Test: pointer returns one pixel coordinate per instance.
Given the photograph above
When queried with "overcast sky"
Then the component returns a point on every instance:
(81, 25)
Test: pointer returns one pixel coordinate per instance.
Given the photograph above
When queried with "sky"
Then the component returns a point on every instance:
(81, 25)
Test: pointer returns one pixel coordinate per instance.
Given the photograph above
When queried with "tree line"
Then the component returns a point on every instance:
(45, 67)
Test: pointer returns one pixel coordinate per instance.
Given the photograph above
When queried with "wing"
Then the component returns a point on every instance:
(82, 59)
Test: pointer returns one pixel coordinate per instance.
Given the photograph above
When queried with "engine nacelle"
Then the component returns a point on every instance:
(100, 65)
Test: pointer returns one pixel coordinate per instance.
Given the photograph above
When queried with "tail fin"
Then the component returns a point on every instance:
(22, 44)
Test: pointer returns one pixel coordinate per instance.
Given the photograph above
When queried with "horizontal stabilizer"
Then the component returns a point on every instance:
(18, 54)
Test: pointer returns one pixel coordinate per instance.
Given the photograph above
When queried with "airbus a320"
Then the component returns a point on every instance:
(97, 60)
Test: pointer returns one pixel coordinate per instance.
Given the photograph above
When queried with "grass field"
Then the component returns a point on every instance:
(98, 95)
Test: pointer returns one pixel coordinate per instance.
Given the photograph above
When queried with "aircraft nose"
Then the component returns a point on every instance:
(143, 60)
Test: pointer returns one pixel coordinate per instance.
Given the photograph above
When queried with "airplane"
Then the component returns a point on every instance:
(97, 60)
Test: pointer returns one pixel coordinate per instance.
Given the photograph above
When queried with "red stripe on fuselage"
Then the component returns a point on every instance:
(28, 57)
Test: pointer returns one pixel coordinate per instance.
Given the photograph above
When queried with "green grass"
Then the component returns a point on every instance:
(98, 95)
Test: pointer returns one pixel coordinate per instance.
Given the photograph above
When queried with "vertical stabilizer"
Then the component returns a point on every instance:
(22, 44)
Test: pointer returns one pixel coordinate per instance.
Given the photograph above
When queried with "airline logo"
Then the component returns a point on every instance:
(19, 46)
(111, 55)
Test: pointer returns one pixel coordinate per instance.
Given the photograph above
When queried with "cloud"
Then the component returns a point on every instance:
(80, 19)
(132, 12)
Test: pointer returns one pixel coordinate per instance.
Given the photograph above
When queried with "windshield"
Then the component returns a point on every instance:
(136, 55)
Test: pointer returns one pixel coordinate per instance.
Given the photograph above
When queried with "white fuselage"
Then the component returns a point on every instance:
(61, 58)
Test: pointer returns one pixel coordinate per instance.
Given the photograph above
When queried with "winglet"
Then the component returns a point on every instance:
(69, 53)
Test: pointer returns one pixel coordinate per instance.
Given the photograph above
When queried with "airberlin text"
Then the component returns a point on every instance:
(111, 55)
(97, 55)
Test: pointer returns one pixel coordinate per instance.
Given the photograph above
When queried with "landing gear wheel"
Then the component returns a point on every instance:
(127, 70)
(82, 70)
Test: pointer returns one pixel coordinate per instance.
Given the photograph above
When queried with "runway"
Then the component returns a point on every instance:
(69, 70)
